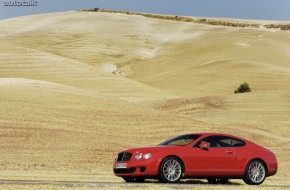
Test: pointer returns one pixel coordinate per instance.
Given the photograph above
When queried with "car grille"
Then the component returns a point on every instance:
(125, 171)
(124, 156)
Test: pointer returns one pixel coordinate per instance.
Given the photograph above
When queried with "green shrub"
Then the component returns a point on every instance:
(243, 88)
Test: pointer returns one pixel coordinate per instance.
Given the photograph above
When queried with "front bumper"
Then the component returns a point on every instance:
(138, 168)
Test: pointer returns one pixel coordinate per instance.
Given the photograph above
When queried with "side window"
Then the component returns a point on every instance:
(225, 142)
(237, 143)
(217, 141)
(206, 139)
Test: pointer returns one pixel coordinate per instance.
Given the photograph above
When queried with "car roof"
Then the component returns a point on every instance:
(213, 133)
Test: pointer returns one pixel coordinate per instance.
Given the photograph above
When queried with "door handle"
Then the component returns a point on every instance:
(229, 152)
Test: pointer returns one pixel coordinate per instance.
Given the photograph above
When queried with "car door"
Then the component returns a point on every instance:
(218, 159)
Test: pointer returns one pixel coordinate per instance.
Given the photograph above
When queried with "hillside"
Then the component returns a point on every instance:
(77, 87)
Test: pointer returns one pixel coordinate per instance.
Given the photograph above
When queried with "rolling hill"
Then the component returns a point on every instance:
(77, 87)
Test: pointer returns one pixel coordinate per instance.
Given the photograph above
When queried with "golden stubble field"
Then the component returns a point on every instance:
(77, 87)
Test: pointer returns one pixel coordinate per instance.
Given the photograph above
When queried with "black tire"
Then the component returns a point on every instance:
(171, 170)
(217, 180)
(134, 179)
(255, 173)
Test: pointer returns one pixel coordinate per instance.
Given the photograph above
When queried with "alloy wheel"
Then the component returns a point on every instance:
(171, 170)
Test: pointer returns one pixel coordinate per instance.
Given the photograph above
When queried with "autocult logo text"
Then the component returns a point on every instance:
(20, 3)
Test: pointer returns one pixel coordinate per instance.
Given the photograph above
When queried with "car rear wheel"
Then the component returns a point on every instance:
(134, 179)
(217, 180)
(255, 173)
(170, 170)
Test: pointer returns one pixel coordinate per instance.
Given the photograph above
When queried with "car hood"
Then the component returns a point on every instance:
(152, 149)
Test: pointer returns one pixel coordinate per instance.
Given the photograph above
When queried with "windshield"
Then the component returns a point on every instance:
(180, 140)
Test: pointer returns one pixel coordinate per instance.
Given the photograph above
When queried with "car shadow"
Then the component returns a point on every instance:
(205, 182)
(193, 182)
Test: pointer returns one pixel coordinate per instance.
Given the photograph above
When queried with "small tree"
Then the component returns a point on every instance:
(243, 88)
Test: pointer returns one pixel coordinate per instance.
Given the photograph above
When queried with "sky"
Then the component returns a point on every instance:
(246, 9)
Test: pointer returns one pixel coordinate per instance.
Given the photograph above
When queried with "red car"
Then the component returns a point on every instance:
(212, 156)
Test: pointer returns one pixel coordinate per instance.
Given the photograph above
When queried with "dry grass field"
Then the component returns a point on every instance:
(77, 87)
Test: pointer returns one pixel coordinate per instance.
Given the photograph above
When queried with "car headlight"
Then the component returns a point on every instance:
(138, 156)
(147, 156)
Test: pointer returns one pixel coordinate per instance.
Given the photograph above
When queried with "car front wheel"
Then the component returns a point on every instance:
(170, 170)
(255, 173)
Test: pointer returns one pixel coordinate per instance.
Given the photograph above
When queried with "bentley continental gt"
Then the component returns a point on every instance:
(212, 156)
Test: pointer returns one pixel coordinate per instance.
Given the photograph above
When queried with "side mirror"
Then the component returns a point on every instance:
(204, 145)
